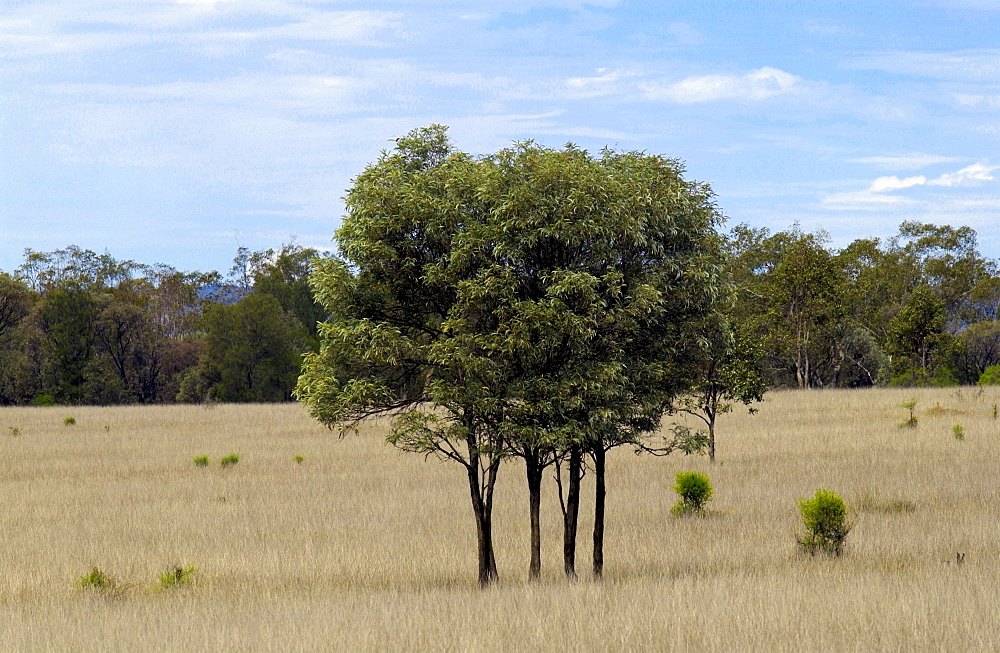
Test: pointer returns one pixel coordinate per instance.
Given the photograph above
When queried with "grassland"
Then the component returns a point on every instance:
(359, 547)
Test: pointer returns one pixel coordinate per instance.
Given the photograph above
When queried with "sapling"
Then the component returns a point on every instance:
(912, 421)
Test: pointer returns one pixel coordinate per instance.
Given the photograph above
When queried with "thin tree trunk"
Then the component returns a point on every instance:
(711, 438)
(599, 494)
(482, 508)
(484, 529)
(533, 468)
(571, 514)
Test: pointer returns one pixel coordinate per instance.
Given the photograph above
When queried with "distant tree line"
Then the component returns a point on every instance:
(78, 327)
(917, 309)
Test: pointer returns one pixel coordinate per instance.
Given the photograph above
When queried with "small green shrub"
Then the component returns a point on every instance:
(826, 525)
(14, 431)
(231, 459)
(69, 421)
(298, 459)
(958, 432)
(912, 421)
(694, 490)
(201, 461)
(101, 583)
(43, 400)
(177, 577)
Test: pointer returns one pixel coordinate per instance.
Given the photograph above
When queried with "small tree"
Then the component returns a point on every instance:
(730, 372)
(826, 526)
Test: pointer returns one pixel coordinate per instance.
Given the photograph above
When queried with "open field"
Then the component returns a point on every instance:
(361, 547)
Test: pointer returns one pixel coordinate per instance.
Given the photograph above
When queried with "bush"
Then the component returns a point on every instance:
(826, 525)
(102, 583)
(958, 432)
(69, 421)
(177, 576)
(991, 376)
(695, 490)
(43, 400)
(231, 459)
(201, 461)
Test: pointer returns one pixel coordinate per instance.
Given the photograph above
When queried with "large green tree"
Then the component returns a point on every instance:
(251, 353)
(532, 303)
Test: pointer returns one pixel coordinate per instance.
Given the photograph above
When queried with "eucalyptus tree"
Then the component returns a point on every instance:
(605, 270)
(535, 303)
(403, 336)
(730, 373)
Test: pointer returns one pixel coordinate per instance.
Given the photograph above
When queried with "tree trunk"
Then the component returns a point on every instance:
(533, 466)
(599, 493)
(711, 438)
(484, 527)
(571, 513)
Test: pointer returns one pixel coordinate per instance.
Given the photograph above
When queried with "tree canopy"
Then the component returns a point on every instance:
(524, 303)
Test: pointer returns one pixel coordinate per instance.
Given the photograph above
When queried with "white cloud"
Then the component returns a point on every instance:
(754, 86)
(972, 175)
(883, 184)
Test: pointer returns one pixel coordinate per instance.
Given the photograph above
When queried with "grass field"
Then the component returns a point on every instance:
(359, 547)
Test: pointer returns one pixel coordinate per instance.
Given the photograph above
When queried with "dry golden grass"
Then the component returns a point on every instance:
(360, 547)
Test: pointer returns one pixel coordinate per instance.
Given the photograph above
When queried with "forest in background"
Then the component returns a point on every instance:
(78, 327)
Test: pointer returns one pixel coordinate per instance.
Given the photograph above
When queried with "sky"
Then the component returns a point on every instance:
(176, 131)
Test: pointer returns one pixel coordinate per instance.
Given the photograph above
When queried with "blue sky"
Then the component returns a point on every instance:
(175, 131)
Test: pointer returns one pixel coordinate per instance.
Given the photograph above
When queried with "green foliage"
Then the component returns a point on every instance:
(826, 526)
(298, 459)
(958, 432)
(201, 461)
(251, 354)
(231, 459)
(69, 421)
(14, 431)
(728, 371)
(688, 440)
(694, 490)
(990, 376)
(917, 334)
(177, 577)
(101, 583)
(911, 421)
(518, 304)
(43, 400)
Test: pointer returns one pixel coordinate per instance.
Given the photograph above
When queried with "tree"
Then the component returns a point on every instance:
(251, 353)
(533, 303)
(404, 312)
(730, 372)
(603, 270)
(917, 332)
(285, 276)
(66, 324)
